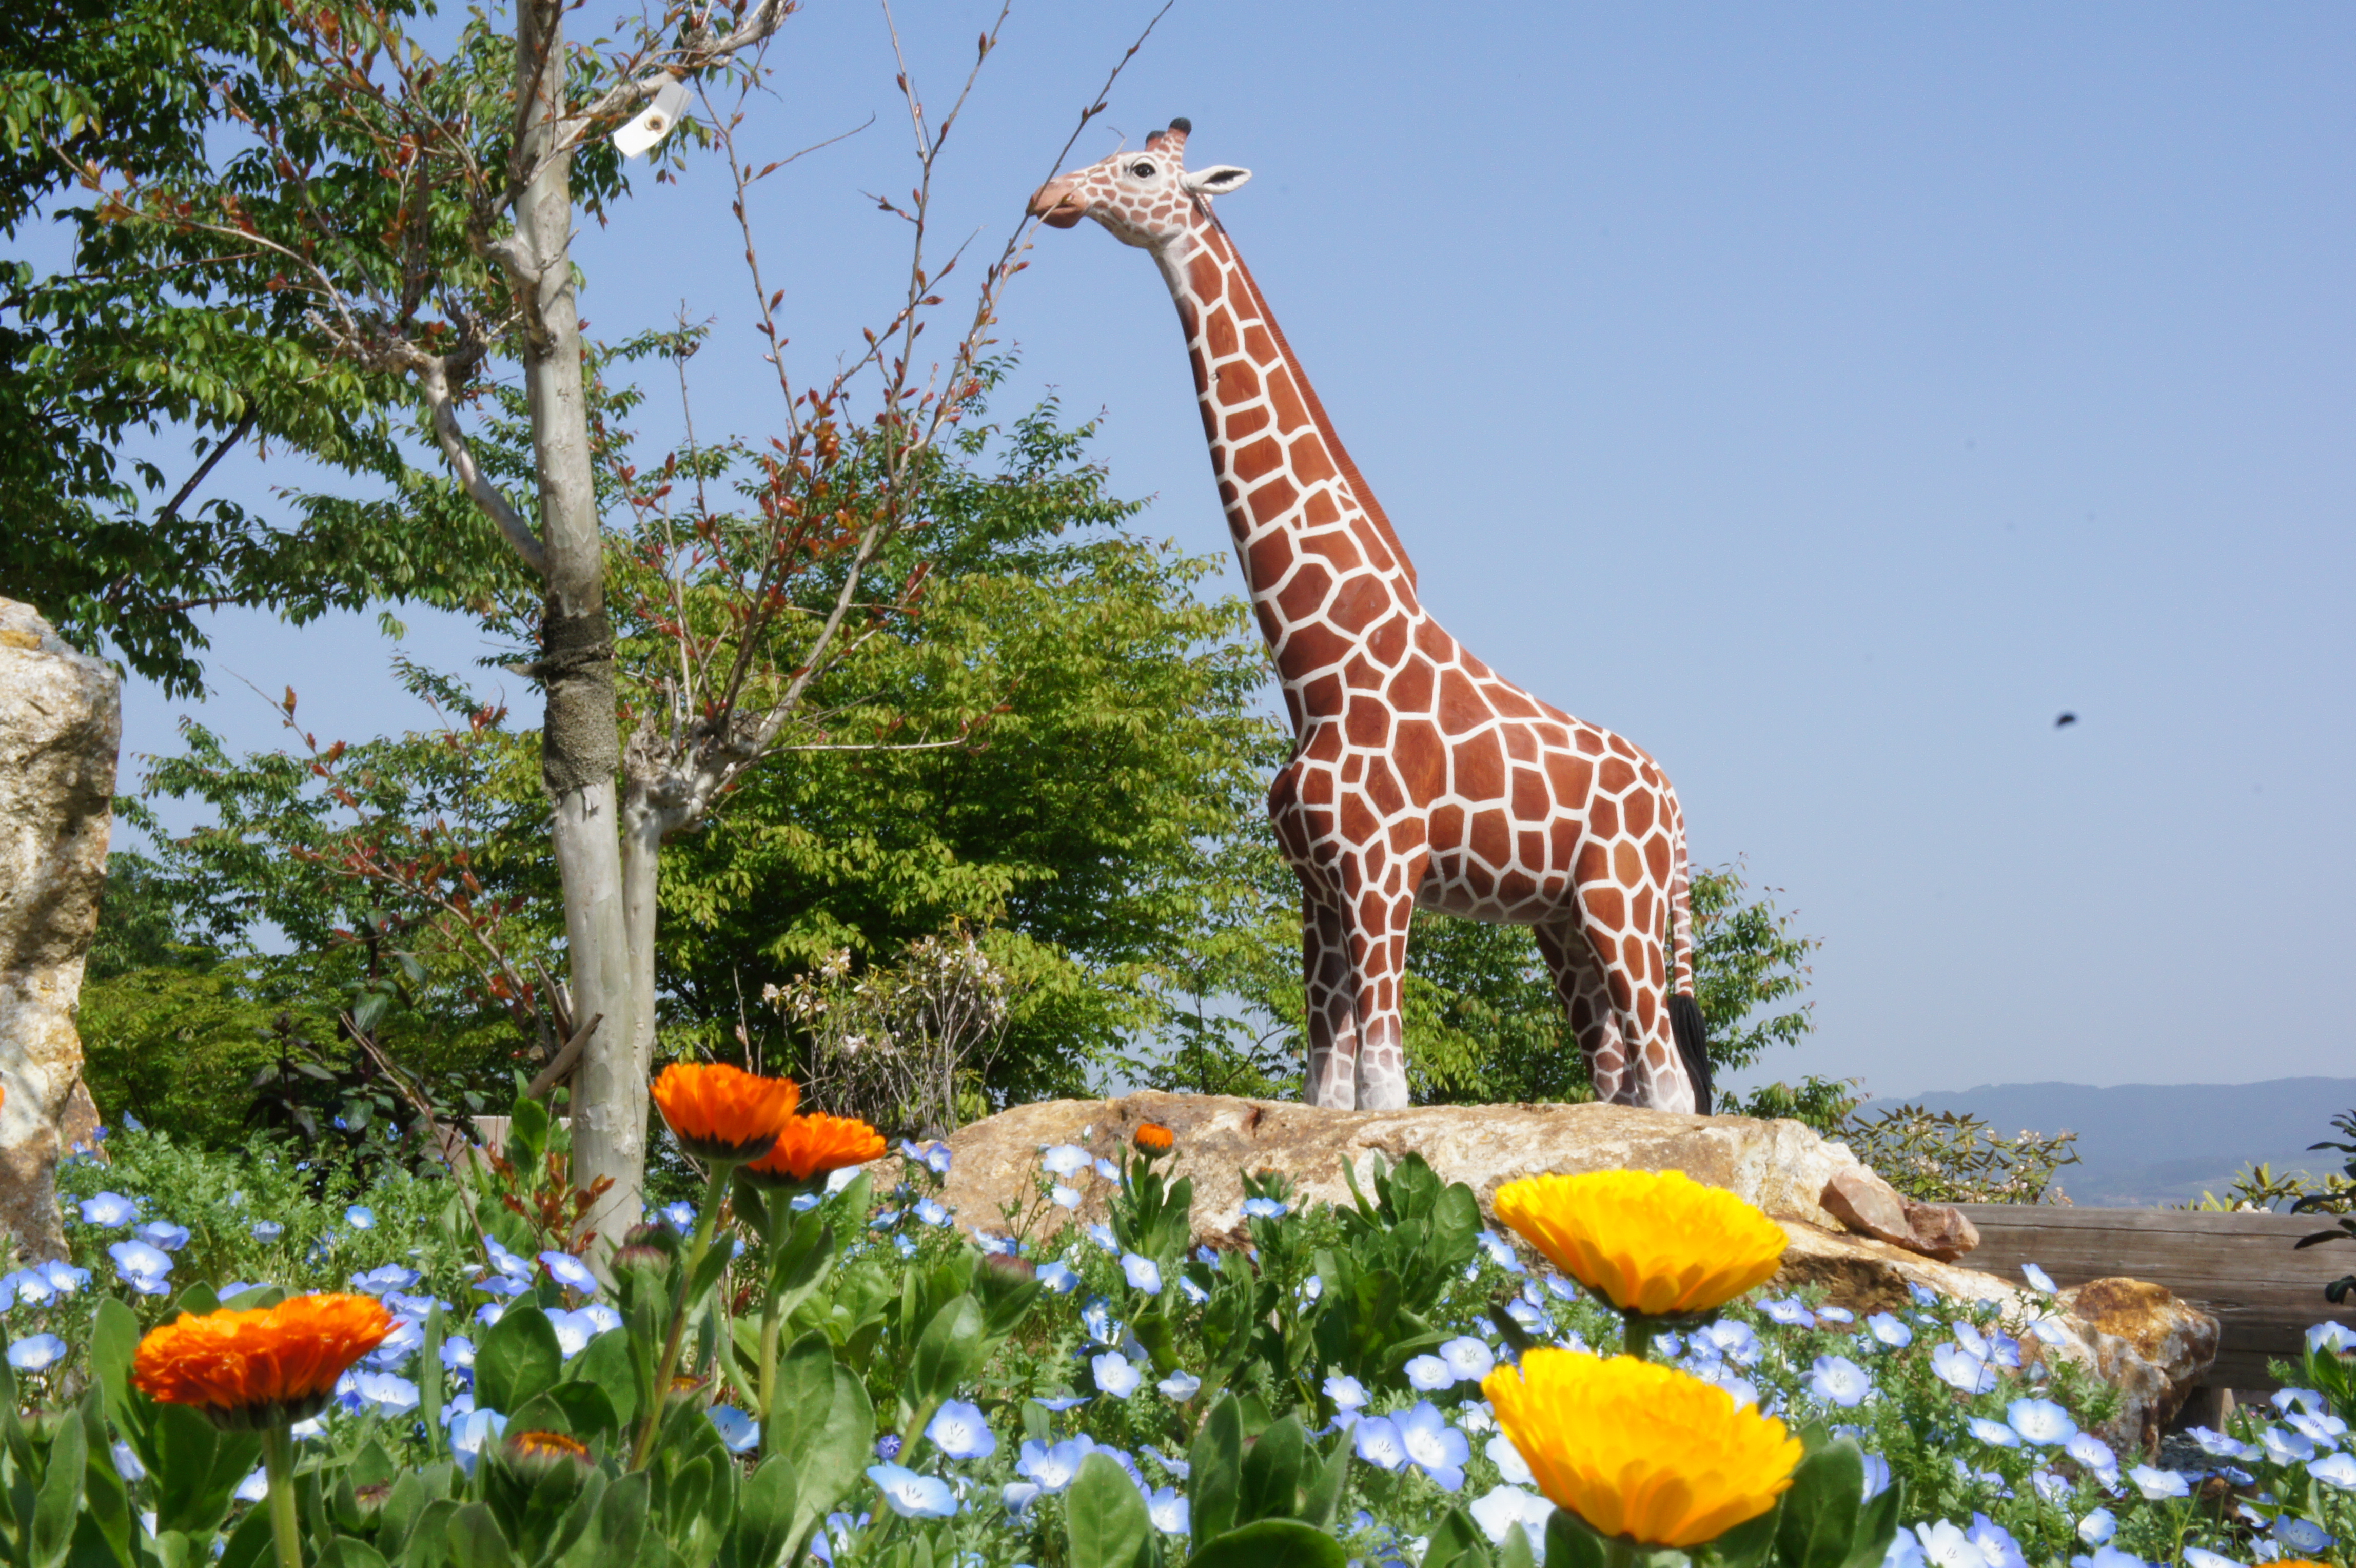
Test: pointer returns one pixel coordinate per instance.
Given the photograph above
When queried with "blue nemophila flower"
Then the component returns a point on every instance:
(1102, 1236)
(574, 1329)
(382, 1392)
(1944, 1545)
(1168, 1511)
(1428, 1374)
(2196, 1558)
(1192, 1292)
(1346, 1391)
(501, 1284)
(1998, 1548)
(162, 1233)
(680, 1217)
(1877, 1476)
(1376, 1440)
(1995, 1433)
(2041, 1422)
(1730, 1338)
(2098, 1527)
(126, 1463)
(2289, 1400)
(404, 1341)
(1142, 1274)
(739, 1432)
(109, 1209)
(1181, 1386)
(253, 1489)
(2095, 1455)
(1531, 1319)
(1838, 1380)
(1498, 1509)
(1113, 1375)
(360, 1216)
(1098, 1319)
(569, 1272)
(2303, 1536)
(960, 1432)
(2335, 1470)
(1962, 1370)
(458, 1353)
(1789, 1311)
(1561, 1288)
(1064, 1159)
(236, 1288)
(1065, 1197)
(1314, 1286)
(268, 1230)
(2050, 1330)
(1468, 1360)
(1018, 1497)
(1511, 1465)
(2109, 1557)
(1835, 1314)
(1890, 1330)
(144, 1268)
(390, 1277)
(1058, 1403)
(911, 1496)
(2286, 1447)
(995, 1246)
(2326, 1429)
(1052, 1466)
(2156, 1484)
(1265, 1208)
(929, 1211)
(1500, 1252)
(1059, 1278)
(2039, 1280)
(2331, 1339)
(1107, 1169)
(36, 1353)
(888, 1446)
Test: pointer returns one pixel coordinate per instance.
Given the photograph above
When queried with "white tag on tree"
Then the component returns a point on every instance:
(645, 133)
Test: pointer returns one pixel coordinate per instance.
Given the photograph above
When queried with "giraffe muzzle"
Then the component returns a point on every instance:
(1053, 204)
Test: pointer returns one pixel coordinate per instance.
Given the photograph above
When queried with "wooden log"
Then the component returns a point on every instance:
(2242, 1267)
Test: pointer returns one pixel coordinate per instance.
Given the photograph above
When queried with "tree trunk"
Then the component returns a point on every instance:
(581, 755)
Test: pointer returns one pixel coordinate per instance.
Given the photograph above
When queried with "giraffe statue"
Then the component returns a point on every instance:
(1419, 776)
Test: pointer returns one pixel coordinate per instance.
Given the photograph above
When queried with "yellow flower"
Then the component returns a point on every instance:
(1649, 1241)
(1640, 1450)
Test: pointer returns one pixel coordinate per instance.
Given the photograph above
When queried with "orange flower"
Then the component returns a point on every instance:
(814, 1145)
(720, 1112)
(260, 1369)
(548, 1445)
(1153, 1138)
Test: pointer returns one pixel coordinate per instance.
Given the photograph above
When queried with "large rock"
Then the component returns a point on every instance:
(60, 727)
(1841, 1218)
(1782, 1167)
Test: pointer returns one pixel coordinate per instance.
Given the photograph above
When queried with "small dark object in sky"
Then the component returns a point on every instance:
(2065, 721)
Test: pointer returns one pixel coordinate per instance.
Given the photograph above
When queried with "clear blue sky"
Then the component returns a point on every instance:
(1826, 397)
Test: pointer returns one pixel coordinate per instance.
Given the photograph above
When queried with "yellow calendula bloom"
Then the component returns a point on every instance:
(1649, 1242)
(1640, 1450)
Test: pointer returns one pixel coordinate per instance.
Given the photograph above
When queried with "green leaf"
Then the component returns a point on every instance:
(518, 1357)
(1819, 1514)
(1321, 1502)
(249, 1543)
(1271, 1478)
(1217, 1466)
(1747, 1544)
(345, 1551)
(944, 1352)
(605, 1366)
(58, 1502)
(1514, 1550)
(1456, 1538)
(1877, 1526)
(1271, 1543)
(764, 1515)
(1570, 1544)
(620, 1528)
(475, 1538)
(1104, 1521)
(828, 1447)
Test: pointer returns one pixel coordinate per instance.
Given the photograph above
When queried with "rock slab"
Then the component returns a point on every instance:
(60, 729)
(1850, 1234)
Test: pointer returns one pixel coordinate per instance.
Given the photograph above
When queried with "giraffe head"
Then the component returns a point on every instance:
(1147, 199)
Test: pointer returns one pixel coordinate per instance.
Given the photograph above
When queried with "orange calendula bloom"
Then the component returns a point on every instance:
(815, 1146)
(263, 1367)
(1658, 1242)
(1153, 1138)
(722, 1112)
(548, 1445)
(1642, 1452)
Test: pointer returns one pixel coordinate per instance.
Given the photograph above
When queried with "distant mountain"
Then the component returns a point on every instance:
(2144, 1145)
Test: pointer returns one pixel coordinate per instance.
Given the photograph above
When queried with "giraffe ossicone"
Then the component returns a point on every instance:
(1419, 776)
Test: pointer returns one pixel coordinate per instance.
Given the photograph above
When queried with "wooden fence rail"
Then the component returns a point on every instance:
(2242, 1267)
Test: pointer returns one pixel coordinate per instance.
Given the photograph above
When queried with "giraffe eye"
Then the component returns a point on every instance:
(1142, 171)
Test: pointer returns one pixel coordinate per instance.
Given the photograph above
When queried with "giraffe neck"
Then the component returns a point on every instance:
(1318, 555)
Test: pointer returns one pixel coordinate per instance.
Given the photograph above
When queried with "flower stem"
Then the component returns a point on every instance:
(1637, 1332)
(772, 1326)
(697, 1245)
(1619, 1553)
(278, 1465)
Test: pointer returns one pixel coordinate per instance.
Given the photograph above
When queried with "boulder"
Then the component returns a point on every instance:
(60, 727)
(1850, 1234)
(1781, 1166)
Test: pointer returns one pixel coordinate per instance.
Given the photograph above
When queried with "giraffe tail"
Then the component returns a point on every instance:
(1687, 1023)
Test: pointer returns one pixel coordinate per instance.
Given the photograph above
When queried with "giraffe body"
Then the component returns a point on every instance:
(1419, 774)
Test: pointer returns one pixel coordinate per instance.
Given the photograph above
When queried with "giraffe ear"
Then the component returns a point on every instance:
(1216, 180)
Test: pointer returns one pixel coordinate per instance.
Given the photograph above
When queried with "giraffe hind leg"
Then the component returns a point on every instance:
(1326, 975)
(1578, 981)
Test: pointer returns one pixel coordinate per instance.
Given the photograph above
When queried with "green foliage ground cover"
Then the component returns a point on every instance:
(961, 1388)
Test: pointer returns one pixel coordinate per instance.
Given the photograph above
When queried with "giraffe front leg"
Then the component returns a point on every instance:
(1325, 972)
(1380, 950)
